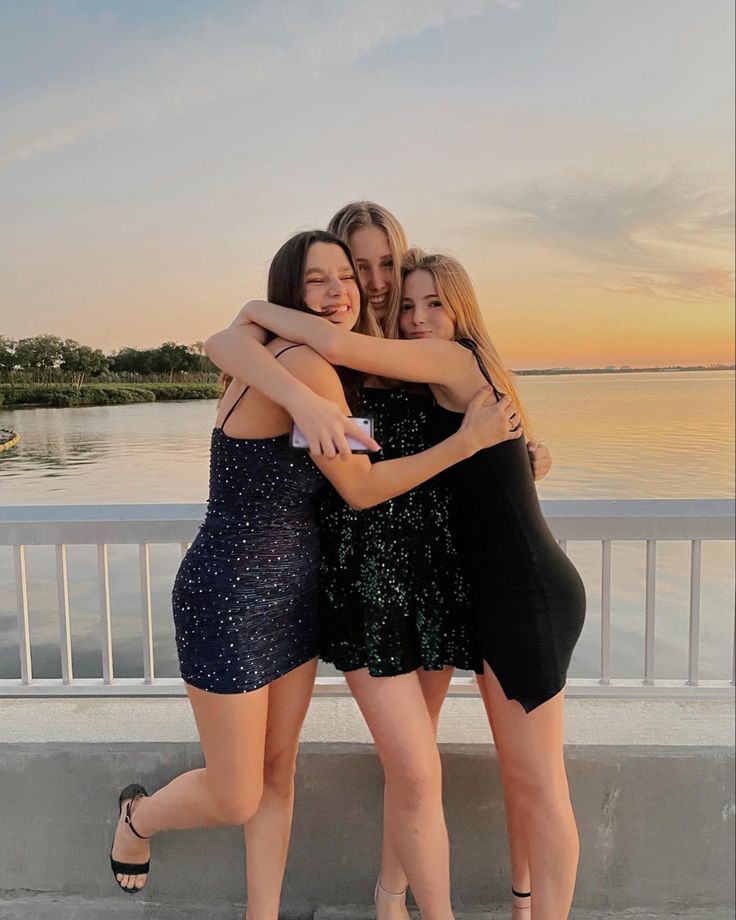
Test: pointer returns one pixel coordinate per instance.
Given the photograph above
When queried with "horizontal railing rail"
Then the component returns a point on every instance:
(603, 522)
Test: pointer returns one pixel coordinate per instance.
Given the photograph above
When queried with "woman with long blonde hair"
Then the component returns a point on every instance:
(370, 609)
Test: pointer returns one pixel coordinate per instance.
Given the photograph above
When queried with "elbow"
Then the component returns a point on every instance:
(358, 501)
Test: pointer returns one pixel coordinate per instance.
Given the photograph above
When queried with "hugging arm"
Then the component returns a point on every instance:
(427, 361)
(363, 484)
(239, 351)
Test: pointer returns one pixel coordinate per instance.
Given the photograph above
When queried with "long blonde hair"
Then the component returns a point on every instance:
(456, 291)
(356, 215)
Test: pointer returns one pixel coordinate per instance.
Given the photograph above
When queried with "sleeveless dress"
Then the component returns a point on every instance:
(246, 594)
(393, 596)
(527, 600)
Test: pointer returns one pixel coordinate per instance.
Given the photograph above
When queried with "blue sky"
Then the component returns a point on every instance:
(576, 155)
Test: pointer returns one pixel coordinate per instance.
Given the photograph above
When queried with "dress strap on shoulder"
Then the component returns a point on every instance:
(234, 405)
(288, 348)
(472, 346)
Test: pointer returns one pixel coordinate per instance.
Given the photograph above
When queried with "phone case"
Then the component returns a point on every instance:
(299, 442)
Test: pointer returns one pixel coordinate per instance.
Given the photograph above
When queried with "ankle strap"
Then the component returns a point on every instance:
(129, 816)
(390, 895)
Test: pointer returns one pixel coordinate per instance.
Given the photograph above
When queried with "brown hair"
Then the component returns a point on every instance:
(286, 288)
(360, 214)
(455, 290)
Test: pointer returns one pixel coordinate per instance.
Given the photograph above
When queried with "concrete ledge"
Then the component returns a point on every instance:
(45, 907)
(652, 783)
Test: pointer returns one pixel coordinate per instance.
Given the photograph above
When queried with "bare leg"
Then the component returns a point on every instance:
(396, 713)
(227, 790)
(268, 831)
(520, 878)
(434, 686)
(530, 752)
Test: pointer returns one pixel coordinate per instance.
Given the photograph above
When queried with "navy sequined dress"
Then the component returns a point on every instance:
(527, 601)
(246, 595)
(393, 598)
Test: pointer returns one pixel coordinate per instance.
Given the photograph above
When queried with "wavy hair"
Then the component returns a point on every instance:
(456, 291)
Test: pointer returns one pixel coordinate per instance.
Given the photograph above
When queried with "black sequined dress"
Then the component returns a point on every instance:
(527, 600)
(393, 598)
(246, 595)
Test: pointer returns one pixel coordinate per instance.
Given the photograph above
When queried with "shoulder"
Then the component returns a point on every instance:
(305, 363)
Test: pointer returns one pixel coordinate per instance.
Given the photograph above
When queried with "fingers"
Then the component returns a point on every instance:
(359, 434)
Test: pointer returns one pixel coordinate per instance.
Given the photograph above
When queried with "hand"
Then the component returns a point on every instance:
(487, 422)
(540, 459)
(326, 428)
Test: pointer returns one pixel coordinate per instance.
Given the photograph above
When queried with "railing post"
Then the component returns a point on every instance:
(605, 611)
(24, 624)
(65, 626)
(103, 574)
(693, 668)
(651, 577)
(146, 610)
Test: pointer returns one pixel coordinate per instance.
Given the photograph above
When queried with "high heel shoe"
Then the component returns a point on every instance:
(380, 894)
(129, 795)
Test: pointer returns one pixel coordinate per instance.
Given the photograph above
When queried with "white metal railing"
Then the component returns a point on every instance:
(103, 525)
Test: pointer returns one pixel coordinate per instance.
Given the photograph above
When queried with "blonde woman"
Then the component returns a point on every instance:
(381, 616)
(527, 600)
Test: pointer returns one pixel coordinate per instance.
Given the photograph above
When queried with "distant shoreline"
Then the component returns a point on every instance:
(559, 371)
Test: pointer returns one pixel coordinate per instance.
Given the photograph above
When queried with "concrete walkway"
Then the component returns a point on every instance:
(50, 907)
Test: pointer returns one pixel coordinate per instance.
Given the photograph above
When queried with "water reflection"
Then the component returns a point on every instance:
(612, 436)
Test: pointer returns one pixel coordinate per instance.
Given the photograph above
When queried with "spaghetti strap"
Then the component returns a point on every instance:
(234, 405)
(471, 346)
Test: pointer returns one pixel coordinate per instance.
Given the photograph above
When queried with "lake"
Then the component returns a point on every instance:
(639, 435)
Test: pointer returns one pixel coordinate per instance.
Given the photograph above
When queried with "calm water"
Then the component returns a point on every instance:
(668, 435)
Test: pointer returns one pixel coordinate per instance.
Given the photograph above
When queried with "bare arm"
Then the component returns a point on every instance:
(364, 484)
(426, 361)
(239, 351)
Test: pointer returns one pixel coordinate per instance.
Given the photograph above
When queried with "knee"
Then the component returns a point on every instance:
(410, 787)
(236, 804)
(279, 770)
(537, 792)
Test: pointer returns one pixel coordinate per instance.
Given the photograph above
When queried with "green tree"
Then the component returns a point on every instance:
(170, 357)
(81, 361)
(40, 355)
(7, 354)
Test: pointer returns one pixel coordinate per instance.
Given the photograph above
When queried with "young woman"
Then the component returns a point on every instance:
(536, 595)
(245, 597)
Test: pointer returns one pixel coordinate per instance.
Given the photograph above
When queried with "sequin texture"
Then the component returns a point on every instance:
(393, 598)
(245, 598)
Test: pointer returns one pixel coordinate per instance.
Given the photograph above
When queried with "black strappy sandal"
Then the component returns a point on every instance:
(131, 793)
(522, 895)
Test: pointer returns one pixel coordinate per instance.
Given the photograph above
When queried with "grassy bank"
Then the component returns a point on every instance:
(107, 394)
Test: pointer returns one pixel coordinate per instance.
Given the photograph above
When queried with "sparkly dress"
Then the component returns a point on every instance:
(527, 601)
(246, 595)
(392, 594)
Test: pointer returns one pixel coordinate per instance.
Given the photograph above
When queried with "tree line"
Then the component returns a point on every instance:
(51, 359)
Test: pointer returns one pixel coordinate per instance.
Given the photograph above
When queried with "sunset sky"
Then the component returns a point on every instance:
(576, 155)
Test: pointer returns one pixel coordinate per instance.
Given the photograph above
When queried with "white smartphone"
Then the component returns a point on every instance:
(298, 440)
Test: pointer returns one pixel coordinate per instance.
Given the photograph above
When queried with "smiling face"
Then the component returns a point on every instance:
(372, 253)
(422, 313)
(330, 285)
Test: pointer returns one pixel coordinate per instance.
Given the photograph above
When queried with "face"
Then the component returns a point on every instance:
(330, 285)
(372, 255)
(422, 314)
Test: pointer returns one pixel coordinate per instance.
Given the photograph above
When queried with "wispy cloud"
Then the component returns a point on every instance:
(139, 80)
(670, 236)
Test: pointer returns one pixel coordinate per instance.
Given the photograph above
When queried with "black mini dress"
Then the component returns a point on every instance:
(392, 593)
(246, 595)
(527, 600)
